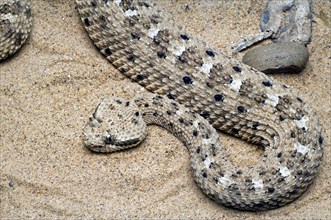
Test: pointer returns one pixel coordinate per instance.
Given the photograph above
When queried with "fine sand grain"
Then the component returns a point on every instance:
(51, 86)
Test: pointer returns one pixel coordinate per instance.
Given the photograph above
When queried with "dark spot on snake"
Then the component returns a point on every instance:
(131, 58)
(144, 4)
(161, 54)
(198, 150)
(267, 83)
(255, 125)
(239, 172)
(139, 77)
(102, 18)
(18, 38)
(136, 114)
(320, 139)
(210, 53)
(171, 124)
(300, 100)
(281, 179)
(208, 84)
(237, 69)
(105, 1)
(279, 155)
(93, 4)
(204, 175)
(187, 80)
(170, 96)
(168, 112)
(205, 114)
(155, 114)
(107, 52)
(86, 22)
(218, 98)
(235, 130)
(281, 118)
(299, 172)
(292, 135)
(127, 104)
(135, 36)
(195, 133)
(181, 120)
(146, 105)
(271, 190)
(28, 12)
(241, 109)
(184, 37)
(118, 101)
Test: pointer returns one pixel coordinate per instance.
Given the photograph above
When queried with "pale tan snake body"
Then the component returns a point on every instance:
(233, 97)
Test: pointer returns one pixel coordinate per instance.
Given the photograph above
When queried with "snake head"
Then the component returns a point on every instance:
(116, 124)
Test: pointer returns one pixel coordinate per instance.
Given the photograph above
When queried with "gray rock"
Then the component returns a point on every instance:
(287, 57)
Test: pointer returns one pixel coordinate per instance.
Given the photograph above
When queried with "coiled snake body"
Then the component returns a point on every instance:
(217, 92)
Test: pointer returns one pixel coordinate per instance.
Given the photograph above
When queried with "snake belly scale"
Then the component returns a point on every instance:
(231, 96)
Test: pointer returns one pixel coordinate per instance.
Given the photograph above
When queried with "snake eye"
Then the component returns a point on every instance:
(109, 140)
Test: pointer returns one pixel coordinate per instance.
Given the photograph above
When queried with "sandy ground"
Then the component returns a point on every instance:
(49, 88)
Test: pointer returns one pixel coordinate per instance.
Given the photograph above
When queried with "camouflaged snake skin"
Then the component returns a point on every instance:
(231, 96)
(15, 25)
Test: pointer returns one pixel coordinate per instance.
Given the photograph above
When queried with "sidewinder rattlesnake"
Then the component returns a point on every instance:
(217, 92)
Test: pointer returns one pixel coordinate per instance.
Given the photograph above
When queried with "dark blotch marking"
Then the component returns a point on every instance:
(161, 54)
(198, 150)
(184, 37)
(170, 96)
(195, 133)
(139, 77)
(281, 118)
(107, 52)
(146, 105)
(267, 83)
(205, 114)
(235, 130)
(131, 58)
(155, 114)
(187, 80)
(18, 39)
(255, 125)
(271, 190)
(236, 68)
(279, 155)
(87, 22)
(127, 104)
(210, 53)
(136, 114)
(135, 36)
(204, 175)
(168, 112)
(218, 98)
(292, 135)
(300, 100)
(241, 109)
(93, 4)
(181, 120)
